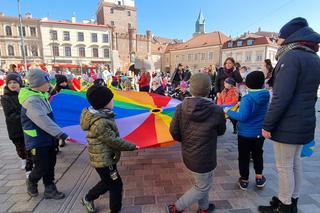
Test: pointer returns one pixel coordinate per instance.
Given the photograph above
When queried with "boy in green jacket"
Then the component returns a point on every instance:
(104, 146)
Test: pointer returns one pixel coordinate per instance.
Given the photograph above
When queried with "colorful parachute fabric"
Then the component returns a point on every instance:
(143, 118)
(308, 149)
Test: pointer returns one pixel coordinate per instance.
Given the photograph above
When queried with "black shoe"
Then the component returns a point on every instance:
(294, 205)
(32, 188)
(243, 184)
(51, 192)
(276, 206)
(284, 208)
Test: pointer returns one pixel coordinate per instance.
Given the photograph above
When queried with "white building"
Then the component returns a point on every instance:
(250, 51)
(66, 42)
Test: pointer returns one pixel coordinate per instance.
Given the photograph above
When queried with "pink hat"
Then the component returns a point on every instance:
(184, 84)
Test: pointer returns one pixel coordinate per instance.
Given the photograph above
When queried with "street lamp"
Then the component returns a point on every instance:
(22, 39)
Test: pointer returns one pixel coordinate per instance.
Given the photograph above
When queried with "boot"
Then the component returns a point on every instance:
(51, 192)
(32, 188)
(294, 205)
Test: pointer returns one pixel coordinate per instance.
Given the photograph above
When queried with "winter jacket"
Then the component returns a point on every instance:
(159, 91)
(12, 112)
(291, 116)
(39, 127)
(228, 96)
(104, 142)
(144, 80)
(196, 124)
(253, 108)
(187, 75)
(57, 89)
(222, 75)
(177, 76)
(181, 96)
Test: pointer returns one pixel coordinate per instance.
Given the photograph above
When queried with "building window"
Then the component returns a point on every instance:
(80, 36)
(82, 52)
(230, 44)
(210, 55)
(106, 53)
(67, 51)
(189, 57)
(105, 38)
(94, 37)
(129, 25)
(112, 23)
(259, 57)
(250, 42)
(10, 50)
(119, 3)
(248, 57)
(8, 31)
(34, 51)
(182, 58)
(95, 52)
(239, 43)
(196, 56)
(55, 50)
(66, 36)
(33, 31)
(25, 50)
(111, 11)
(203, 56)
(54, 35)
(129, 13)
(23, 31)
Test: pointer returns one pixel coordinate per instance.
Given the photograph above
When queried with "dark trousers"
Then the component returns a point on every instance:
(250, 147)
(44, 159)
(144, 89)
(234, 124)
(110, 181)
(23, 153)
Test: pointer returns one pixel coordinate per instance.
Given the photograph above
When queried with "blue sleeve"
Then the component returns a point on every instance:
(244, 111)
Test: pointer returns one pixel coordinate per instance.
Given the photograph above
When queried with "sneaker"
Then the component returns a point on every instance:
(260, 183)
(209, 210)
(23, 164)
(172, 209)
(243, 184)
(27, 174)
(32, 188)
(51, 192)
(88, 204)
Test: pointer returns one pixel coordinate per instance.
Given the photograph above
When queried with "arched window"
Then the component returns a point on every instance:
(8, 31)
(10, 50)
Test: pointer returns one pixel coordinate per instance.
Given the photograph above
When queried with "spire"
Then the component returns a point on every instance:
(200, 24)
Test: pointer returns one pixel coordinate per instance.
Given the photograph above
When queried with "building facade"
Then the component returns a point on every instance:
(69, 42)
(251, 51)
(10, 40)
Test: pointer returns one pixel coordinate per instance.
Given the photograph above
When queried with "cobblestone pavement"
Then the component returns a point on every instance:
(152, 178)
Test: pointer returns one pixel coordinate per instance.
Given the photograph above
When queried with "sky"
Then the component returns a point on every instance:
(176, 18)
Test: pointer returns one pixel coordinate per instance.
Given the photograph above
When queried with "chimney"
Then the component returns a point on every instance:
(73, 18)
(28, 15)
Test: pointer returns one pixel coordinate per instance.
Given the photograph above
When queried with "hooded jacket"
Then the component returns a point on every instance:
(253, 108)
(196, 124)
(12, 111)
(104, 142)
(291, 116)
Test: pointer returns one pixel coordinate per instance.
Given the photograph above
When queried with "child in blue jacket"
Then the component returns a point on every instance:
(253, 108)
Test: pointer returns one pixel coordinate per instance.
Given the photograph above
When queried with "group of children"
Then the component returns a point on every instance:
(196, 124)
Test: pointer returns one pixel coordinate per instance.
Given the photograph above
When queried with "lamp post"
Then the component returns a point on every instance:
(22, 39)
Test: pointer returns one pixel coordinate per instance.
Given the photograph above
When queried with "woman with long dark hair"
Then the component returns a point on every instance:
(269, 69)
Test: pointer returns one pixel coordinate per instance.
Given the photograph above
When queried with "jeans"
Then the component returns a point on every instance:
(110, 181)
(44, 159)
(198, 193)
(247, 146)
(288, 162)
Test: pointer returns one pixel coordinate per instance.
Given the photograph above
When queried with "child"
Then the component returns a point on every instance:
(229, 96)
(183, 93)
(61, 83)
(242, 86)
(104, 146)
(253, 108)
(40, 133)
(157, 86)
(127, 85)
(12, 112)
(196, 124)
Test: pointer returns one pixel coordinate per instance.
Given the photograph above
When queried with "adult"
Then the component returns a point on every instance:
(187, 74)
(227, 71)
(268, 72)
(290, 121)
(177, 76)
(144, 82)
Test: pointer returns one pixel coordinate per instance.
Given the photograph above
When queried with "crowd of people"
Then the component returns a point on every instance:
(278, 104)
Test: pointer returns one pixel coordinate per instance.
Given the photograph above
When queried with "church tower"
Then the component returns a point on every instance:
(200, 24)
(120, 14)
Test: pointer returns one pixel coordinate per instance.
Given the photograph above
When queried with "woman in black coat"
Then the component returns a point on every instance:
(228, 71)
(12, 109)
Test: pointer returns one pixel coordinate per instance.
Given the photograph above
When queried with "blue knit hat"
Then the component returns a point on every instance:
(292, 26)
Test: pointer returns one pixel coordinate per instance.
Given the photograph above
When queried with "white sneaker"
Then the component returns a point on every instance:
(27, 174)
(23, 164)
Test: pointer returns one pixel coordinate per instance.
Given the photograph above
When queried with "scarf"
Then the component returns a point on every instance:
(228, 72)
(287, 47)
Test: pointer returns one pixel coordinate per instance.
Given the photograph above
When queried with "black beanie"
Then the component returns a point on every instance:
(292, 26)
(99, 96)
(14, 77)
(255, 80)
(230, 81)
(61, 78)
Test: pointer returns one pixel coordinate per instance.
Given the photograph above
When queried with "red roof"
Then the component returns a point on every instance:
(256, 41)
(75, 24)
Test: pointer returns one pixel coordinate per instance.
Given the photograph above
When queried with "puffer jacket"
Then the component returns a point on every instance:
(228, 96)
(196, 124)
(104, 142)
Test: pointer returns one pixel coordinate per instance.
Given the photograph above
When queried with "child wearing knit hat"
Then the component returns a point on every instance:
(104, 146)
